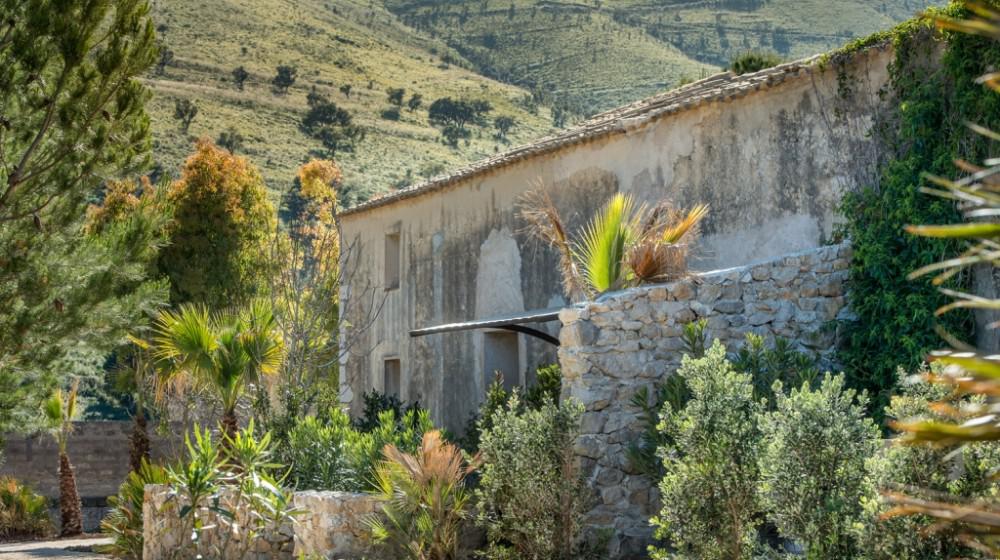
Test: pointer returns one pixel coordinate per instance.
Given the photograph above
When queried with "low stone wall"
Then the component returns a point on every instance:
(632, 339)
(332, 524)
(327, 525)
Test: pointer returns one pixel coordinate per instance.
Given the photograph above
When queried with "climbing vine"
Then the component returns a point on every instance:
(926, 132)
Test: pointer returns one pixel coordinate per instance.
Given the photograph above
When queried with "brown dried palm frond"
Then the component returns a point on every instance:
(684, 227)
(661, 251)
(545, 223)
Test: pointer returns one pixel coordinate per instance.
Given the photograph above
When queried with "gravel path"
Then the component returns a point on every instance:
(63, 548)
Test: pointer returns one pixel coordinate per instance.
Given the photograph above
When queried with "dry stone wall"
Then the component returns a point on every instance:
(328, 525)
(630, 340)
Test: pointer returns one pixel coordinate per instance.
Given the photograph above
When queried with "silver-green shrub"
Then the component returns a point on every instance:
(531, 497)
(967, 472)
(815, 446)
(709, 493)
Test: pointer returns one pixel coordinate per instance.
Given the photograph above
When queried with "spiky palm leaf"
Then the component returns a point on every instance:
(222, 352)
(604, 241)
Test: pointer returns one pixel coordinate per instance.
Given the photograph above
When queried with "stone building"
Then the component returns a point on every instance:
(771, 152)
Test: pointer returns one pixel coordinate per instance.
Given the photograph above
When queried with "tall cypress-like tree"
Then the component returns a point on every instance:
(218, 238)
(71, 116)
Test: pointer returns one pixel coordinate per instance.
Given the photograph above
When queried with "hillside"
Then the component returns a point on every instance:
(331, 45)
(522, 56)
(594, 54)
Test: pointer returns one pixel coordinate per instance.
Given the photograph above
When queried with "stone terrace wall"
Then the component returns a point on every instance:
(328, 525)
(632, 339)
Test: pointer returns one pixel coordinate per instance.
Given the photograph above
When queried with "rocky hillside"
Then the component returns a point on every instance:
(541, 63)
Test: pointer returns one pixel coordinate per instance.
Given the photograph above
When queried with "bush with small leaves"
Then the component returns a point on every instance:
(23, 513)
(965, 473)
(812, 465)
(753, 62)
(531, 497)
(709, 493)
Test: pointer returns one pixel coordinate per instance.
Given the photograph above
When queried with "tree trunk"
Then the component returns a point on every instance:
(139, 442)
(69, 499)
(229, 425)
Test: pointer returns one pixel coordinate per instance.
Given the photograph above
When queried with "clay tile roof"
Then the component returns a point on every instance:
(719, 87)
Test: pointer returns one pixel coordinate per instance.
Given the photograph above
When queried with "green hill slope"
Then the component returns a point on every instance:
(595, 54)
(331, 45)
(520, 55)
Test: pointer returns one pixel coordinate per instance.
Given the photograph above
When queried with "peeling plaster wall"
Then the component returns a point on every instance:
(772, 164)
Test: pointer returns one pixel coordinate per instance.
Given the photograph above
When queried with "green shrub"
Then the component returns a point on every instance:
(968, 472)
(375, 404)
(753, 62)
(547, 388)
(531, 497)
(23, 514)
(424, 500)
(780, 362)
(331, 454)
(234, 482)
(709, 493)
(123, 523)
(812, 466)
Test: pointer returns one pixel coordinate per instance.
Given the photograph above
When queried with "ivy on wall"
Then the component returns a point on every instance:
(926, 132)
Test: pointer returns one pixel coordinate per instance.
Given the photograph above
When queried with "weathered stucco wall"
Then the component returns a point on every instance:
(770, 152)
(631, 340)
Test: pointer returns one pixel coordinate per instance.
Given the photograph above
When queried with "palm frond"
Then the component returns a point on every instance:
(604, 240)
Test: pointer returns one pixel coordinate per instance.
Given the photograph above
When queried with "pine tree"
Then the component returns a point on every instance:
(71, 115)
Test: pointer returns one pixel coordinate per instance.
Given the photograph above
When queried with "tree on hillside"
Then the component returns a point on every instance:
(67, 296)
(166, 58)
(240, 77)
(396, 96)
(503, 124)
(447, 111)
(184, 112)
(284, 79)
(332, 126)
(231, 140)
(219, 232)
(346, 90)
(416, 100)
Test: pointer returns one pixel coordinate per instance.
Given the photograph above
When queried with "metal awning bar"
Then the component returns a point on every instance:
(515, 322)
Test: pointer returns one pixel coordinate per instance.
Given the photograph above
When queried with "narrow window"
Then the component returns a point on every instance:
(501, 354)
(392, 258)
(391, 379)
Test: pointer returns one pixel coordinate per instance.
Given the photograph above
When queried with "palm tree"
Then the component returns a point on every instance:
(221, 352)
(135, 376)
(624, 244)
(60, 410)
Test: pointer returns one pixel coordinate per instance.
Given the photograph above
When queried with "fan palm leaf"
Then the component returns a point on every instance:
(604, 240)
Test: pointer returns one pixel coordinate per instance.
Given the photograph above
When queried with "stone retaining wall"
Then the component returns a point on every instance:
(327, 525)
(632, 339)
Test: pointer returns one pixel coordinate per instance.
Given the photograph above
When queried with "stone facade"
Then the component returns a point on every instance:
(328, 525)
(632, 339)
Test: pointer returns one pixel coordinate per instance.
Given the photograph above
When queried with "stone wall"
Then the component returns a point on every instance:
(327, 525)
(99, 452)
(629, 340)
